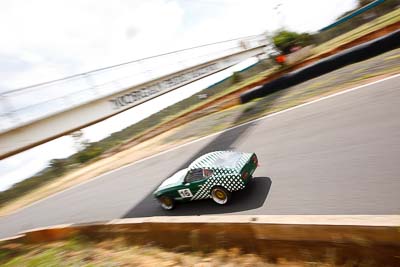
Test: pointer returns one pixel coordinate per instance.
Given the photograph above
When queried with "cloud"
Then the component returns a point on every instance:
(312, 15)
(240, 18)
(59, 38)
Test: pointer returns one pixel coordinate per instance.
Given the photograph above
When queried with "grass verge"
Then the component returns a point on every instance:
(376, 24)
(116, 252)
(79, 251)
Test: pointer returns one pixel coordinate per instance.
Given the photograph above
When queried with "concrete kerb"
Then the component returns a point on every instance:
(236, 230)
(233, 231)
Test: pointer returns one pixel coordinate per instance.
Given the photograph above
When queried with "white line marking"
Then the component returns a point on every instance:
(202, 138)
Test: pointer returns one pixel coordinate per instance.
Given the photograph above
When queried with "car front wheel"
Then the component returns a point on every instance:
(166, 203)
(220, 195)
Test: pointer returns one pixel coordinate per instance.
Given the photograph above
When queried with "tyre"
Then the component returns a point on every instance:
(166, 203)
(220, 195)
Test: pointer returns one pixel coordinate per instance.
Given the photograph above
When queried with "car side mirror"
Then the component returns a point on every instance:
(186, 184)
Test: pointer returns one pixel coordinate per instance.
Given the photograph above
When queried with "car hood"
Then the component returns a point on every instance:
(174, 180)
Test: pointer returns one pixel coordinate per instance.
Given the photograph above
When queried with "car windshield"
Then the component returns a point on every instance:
(174, 179)
(194, 175)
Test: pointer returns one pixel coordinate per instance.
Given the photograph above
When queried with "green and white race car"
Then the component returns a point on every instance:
(214, 175)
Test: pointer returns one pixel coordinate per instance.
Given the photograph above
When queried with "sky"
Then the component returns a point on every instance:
(48, 39)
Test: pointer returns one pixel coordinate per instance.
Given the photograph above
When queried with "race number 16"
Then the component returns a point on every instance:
(185, 193)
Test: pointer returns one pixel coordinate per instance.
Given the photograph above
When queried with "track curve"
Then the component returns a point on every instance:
(335, 156)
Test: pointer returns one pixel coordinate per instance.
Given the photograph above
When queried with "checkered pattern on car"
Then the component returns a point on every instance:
(208, 160)
(227, 178)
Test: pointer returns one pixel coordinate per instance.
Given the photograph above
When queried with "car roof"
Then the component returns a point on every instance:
(219, 159)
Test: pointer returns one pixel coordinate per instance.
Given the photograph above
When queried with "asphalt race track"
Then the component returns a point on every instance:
(340, 155)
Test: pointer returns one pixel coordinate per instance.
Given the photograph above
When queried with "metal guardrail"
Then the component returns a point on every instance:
(23, 105)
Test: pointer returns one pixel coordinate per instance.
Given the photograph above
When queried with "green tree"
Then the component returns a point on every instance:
(92, 151)
(236, 77)
(58, 166)
(284, 40)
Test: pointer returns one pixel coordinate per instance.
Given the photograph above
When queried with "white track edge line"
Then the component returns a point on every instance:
(202, 138)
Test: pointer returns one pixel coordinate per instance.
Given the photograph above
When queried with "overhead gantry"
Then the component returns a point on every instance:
(33, 115)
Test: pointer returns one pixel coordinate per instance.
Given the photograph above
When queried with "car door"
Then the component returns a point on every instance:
(193, 182)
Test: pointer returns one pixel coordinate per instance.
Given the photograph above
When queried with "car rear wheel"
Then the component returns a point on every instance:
(166, 203)
(220, 195)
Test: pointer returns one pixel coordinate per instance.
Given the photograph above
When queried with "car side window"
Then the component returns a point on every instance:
(194, 175)
(207, 173)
